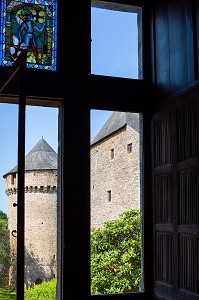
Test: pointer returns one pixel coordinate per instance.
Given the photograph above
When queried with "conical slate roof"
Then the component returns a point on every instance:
(116, 121)
(41, 157)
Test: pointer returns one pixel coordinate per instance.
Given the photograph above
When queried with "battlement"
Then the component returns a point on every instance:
(33, 189)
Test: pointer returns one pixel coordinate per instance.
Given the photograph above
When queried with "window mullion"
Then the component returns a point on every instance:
(21, 168)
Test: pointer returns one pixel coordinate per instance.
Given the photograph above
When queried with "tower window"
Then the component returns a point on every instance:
(129, 148)
(13, 178)
(112, 153)
(109, 196)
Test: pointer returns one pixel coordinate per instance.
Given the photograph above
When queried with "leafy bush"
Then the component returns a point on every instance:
(7, 293)
(3, 215)
(116, 255)
(43, 291)
(4, 249)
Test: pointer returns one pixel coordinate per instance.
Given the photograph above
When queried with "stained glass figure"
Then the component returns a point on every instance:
(31, 25)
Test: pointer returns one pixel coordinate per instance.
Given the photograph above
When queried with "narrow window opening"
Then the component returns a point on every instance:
(121, 178)
(112, 153)
(129, 148)
(109, 196)
(13, 178)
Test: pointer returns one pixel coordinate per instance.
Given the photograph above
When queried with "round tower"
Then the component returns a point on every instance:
(40, 214)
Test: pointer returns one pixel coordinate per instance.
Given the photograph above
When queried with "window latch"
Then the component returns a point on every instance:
(14, 231)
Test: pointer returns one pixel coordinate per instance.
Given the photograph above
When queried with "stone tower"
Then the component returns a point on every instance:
(40, 214)
(115, 168)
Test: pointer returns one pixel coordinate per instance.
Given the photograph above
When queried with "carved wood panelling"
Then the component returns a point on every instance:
(163, 198)
(164, 259)
(175, 198)
(189, 263)
(188, 197)
(162, 147)
(187, 132)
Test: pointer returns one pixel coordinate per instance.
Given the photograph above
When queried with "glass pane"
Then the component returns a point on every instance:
(41, 200)
(115, 33)
(29, 24)
(8, 187)
(116, 225)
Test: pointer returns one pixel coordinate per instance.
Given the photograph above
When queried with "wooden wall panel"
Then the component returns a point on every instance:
(188, 197)
(162, 56)
(176, 199)
(189, 263)
(162, 132)
(196, 36)
(164, 257)
(163, 201)
(187, 131)
(177, 45)
(174, 55)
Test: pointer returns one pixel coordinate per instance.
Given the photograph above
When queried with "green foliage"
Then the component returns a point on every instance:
(116, 255)
(43, 291)
(3, 220)
(3, 215)
(4, 249)
(7, 293)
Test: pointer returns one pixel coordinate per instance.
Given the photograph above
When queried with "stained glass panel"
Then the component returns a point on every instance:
(30, 24)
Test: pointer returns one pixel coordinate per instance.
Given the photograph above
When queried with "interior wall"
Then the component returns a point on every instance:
(175, 44)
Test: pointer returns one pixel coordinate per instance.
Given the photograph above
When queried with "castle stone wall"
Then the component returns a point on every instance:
(40, 224)
(120, 175)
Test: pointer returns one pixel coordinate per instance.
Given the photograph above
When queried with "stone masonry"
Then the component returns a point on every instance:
(40, 223)
(118, 175)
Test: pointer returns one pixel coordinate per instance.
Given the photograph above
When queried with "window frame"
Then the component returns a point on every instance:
(111, 100)
(80, 91)
(17, 80)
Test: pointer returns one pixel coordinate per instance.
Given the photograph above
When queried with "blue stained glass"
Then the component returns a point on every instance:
(30, 24)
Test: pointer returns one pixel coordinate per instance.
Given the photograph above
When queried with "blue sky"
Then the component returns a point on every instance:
(38, 122)
(113, 53)
(114, 46)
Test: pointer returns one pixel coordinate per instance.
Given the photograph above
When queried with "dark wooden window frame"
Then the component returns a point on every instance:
(16, 81)
(82, 92)
(108, 95)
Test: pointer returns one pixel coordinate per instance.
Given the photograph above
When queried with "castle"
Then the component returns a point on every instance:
(115, 188)
(40, 214)
(115, 168)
